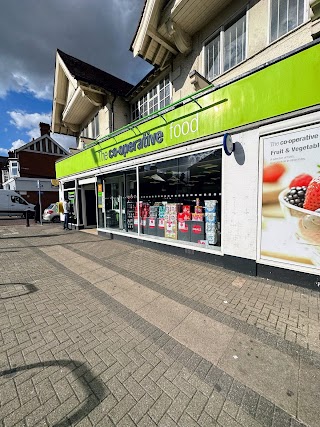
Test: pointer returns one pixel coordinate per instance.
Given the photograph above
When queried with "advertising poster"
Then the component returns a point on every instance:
(100, 196)
(290, 227)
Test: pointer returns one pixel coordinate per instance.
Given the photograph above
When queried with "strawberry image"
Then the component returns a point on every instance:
(271, 173)
(302, 180)
(312, 199)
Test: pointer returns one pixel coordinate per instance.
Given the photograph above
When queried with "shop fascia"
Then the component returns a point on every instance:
(152, 139)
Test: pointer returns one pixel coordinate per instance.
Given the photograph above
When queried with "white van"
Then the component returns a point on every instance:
(12, 204)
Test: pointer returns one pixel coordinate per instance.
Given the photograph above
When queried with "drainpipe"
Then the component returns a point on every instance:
(112, 113)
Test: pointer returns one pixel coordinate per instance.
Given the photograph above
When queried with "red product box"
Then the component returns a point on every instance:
(197, 216)
(183, 226)
(184, 216)
(152, 222)
(186, 209)
(161, 222)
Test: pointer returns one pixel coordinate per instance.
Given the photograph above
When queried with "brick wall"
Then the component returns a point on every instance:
(37, 165)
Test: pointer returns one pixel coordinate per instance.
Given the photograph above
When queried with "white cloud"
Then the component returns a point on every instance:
(16, 144)
(21, 81)
(39, 89)
(22, 120)
(29, 122)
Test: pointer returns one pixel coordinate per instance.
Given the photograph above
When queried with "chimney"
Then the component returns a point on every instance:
(44, 129)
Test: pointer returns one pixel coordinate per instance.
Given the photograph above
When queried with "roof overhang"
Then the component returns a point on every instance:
(80, 106)
(166, 27)
(73, 101)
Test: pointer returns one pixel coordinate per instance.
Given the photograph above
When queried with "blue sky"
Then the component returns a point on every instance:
(20, 115)
(98, 32)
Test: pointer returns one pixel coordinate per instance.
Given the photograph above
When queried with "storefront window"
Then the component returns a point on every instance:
(180, 199)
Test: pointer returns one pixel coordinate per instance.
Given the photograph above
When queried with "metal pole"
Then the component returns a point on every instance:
(40, 207)
(27, 219)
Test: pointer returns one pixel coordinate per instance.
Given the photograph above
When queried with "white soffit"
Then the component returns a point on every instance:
(79, 107)
(85, 181)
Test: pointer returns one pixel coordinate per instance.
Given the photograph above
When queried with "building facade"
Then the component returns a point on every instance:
(219, 155)
(30, 169)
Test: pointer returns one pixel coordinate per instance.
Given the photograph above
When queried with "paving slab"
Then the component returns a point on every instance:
(309, 395)
(130, 300)
(164, 313)
(204, 336)
(265, 370)
(109, 287)
(96, 274)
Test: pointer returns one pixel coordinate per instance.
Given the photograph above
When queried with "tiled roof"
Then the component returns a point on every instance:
(94, 76)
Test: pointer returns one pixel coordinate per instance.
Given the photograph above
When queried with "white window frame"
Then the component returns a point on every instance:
(14, 165)
(92, 129)
(220, 33)
(142, 107)
(305, 18)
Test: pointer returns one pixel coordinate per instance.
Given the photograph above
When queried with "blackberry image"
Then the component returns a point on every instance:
(296, 196)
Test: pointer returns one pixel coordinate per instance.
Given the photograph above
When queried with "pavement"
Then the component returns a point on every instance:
(99, 332)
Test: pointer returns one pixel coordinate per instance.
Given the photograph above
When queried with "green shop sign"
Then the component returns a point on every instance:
(288, 85)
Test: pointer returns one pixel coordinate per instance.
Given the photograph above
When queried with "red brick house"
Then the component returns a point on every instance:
(32, 165)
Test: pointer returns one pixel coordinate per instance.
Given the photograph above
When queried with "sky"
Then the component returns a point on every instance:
(98, 32)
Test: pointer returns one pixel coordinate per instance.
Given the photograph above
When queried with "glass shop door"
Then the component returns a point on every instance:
(115, 202)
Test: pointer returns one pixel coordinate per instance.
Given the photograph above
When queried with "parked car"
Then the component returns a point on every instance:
(51, 213)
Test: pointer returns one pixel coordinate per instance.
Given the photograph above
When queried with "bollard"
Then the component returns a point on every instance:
(27, 219)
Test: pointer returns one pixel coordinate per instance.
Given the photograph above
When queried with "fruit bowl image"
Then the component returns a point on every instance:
(305, 225)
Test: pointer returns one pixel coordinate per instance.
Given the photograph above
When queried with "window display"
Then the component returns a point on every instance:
(179, 199)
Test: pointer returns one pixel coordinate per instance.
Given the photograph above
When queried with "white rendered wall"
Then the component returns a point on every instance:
(259, 50)
(240, 197)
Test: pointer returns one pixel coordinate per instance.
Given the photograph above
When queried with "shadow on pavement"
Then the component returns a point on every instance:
(29, 286)
(91, 385)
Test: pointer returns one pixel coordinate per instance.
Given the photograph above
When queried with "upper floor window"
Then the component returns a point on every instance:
(14, 168)
(158, 97)
(285, 16)
(92, 129)
(227, 48)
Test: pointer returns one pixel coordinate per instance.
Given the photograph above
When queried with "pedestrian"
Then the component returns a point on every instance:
(66, 211)
(37, 213)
